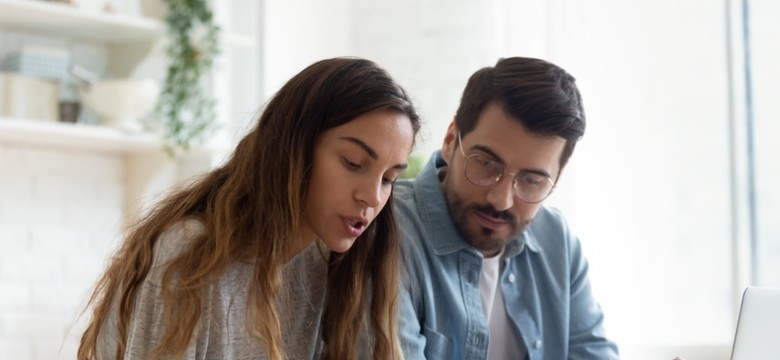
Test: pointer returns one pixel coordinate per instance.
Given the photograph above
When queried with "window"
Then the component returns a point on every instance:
(764, 73)
(679, 136)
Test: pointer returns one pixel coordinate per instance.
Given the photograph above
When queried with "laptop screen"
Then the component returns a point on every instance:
(758, 326)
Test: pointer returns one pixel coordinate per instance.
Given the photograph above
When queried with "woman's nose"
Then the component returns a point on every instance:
(370, 193)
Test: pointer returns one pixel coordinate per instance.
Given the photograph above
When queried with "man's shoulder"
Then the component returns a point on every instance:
(403, 188)
(413, 228)
(549, 216)
(550, 229)
(404, 197)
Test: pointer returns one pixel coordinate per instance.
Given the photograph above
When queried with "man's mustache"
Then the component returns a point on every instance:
(490, 211)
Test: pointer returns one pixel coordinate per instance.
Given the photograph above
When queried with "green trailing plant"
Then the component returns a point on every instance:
(185, 110)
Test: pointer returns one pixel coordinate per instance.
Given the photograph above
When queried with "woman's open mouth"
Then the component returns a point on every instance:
(355, 225)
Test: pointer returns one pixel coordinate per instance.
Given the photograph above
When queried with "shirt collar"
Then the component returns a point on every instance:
(434, 212)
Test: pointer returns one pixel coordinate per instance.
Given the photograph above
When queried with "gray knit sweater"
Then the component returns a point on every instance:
(222, 333)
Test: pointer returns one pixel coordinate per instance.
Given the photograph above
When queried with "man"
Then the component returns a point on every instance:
(492, 273)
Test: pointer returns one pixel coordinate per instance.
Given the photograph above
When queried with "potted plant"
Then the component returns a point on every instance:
(185, 109)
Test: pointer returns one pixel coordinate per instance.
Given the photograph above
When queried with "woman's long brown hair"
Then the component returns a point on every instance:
(251, 209)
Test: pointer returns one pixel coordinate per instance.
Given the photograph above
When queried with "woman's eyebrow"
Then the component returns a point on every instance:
(371, 152)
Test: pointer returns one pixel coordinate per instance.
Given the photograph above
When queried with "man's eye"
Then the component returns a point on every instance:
(532, 179)
(484, 162)
(492, 166)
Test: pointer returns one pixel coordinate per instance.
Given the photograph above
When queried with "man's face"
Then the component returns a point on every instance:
(488, 217)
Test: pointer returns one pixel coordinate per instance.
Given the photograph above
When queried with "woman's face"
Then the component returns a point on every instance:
(355, 165)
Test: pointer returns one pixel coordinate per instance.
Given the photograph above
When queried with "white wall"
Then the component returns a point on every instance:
(429, 47)
(59, 213)
(297, 33)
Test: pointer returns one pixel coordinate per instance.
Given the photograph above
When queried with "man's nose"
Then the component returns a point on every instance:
(502, 194)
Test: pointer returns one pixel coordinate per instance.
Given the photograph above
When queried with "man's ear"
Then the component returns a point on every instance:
(450, 142)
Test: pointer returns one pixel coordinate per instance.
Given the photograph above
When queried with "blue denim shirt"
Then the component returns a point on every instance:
(544, 279)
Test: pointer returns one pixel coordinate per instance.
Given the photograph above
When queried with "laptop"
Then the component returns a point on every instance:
(758, 326)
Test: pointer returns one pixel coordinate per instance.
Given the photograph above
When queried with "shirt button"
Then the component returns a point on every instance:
(537, 344)
(512, 278)
(480, 339)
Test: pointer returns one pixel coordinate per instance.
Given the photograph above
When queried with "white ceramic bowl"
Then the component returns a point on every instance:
(122, 102)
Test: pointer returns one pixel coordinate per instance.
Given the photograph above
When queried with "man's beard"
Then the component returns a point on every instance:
(481, 238)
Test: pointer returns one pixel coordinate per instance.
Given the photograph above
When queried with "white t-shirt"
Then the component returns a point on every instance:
(504, 341)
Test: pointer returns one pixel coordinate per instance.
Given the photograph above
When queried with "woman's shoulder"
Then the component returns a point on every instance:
(176, 238)
(305, 273)
(173, 242)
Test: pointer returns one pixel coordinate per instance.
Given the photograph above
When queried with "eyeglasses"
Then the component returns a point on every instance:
(482, 171)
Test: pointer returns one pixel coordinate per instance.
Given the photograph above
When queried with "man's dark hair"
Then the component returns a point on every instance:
(541, 95)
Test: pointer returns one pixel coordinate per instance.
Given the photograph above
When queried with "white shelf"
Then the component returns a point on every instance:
(64, 19)
(75, 137)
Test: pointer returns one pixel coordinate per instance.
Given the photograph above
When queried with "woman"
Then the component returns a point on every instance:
(286, 251)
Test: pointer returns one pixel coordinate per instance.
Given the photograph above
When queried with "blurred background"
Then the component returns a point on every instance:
(672, 191)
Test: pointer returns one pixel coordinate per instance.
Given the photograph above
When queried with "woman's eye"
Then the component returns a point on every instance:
(386, 181)
(351, 165)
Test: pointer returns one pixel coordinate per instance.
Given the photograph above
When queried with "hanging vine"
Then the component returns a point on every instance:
(185, 109)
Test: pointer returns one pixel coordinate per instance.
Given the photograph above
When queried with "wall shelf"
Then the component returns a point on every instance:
(64, 19)
(75, 137)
